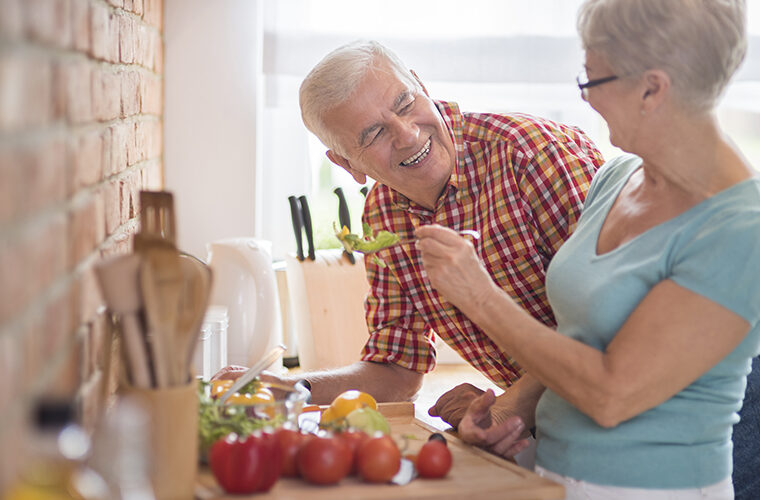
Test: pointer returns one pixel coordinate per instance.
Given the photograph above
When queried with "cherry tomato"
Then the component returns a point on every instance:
(289, 442)
(323, 460)
(378, 459)
(434, 459)
(353, 440)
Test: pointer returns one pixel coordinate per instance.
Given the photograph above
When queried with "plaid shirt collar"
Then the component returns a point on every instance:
(454, 121)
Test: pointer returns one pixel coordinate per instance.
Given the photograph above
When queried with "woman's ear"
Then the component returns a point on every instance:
(656, 89)
(346, 165)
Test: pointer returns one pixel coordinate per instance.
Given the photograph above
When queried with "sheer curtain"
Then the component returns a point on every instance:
(487, 55)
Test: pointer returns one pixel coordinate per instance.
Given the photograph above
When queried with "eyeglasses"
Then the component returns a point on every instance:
(584, 83)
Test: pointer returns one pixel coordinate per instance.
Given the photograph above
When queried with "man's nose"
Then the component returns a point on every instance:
(405, 132)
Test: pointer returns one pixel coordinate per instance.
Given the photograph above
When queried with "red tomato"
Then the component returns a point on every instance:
(434, 460)
(353, 439)
(378, 459)
(245, 465)
(323, 460)
(289, 441)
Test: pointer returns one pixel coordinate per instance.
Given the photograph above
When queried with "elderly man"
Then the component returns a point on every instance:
(518, 180)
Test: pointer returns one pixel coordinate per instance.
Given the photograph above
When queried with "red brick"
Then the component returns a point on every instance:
(113, 40)
(116, 3)
(90, 298)
(152, 95)
(68, 376)
(100, 30)
(32, 352)
(128, 5)
(112, 203)
(157, 142)
(106, 94)
(80, 25)
(14, 289)
(119, 136)
(154, 176)
(158, 54)
(86, 160)
(11, 376)
(84, 230)
(44, 176)
(29, 263)
(59, 90)
(153, 13)
(26, 96)
(79, 92)
(133, 154)
(46, 254)
(127, 35)
(12, 20)
(12, 165)
(130, 193)
(141, 141)
(137, 7)
(130, 93)
(48, 21)
(58, 326)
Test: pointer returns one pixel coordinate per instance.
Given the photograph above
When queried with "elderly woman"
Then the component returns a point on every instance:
(656, 303)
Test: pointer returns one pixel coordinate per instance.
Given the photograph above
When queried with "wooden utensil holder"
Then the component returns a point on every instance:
(173, 415)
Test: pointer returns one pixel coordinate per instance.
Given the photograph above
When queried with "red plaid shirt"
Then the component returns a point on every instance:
(520, 181)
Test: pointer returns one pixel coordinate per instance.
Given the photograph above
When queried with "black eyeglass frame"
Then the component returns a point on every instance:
(593, 83)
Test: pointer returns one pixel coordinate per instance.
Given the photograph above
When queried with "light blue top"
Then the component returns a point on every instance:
(712, 249)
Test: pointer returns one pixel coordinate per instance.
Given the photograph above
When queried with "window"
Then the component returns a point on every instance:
(487, 55)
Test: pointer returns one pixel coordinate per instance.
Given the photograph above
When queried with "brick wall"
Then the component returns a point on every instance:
(81, 99)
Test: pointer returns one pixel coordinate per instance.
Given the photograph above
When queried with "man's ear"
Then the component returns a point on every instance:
(420, 82)
(656, 89)
(346, 165)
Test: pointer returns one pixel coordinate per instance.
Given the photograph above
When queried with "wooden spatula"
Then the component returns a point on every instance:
(160, 279)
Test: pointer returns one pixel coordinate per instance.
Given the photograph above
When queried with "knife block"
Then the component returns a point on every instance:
(327, 301)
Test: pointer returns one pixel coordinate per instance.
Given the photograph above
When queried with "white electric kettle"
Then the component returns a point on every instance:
(244, 282)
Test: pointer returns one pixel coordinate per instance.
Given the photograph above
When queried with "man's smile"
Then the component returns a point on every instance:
(418, 156)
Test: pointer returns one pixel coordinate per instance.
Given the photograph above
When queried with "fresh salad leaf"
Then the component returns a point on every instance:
(217, 420)
(368, 243)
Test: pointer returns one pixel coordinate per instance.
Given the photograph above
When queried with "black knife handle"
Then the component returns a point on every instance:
(295, 215)
(306, 217)
(343, 215)
(345, 219)
(364, 190)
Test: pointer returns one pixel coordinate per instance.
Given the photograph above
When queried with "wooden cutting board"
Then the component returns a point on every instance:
(474, 474)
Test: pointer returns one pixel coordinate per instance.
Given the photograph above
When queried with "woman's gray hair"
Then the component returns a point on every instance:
(698, 43)
(335, 78)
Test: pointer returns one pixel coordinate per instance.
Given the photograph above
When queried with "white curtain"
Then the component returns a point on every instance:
(487, 55)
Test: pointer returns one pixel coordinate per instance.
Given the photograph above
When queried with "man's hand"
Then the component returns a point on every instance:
(478, 427)
(229, 372)
(452, 405)
(234, 372)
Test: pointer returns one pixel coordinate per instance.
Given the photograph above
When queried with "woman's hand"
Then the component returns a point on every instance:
(452, 266)
(453, 404)
(479, 428)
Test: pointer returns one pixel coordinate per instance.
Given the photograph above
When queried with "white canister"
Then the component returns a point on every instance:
(212, 355)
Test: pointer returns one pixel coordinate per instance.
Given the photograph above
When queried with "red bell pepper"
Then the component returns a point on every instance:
(246, 465)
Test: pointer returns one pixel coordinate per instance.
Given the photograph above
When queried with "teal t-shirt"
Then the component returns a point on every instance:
(712, 249)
